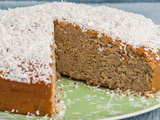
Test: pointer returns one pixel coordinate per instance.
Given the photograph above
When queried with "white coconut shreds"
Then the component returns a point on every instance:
(133, 29)
(25, 52)
(26, 35)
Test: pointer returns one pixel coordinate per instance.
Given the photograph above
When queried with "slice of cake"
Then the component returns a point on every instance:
(108, 47)
(27, 62)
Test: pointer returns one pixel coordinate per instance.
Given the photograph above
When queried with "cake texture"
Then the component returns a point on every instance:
(108, 47)
(101, 45)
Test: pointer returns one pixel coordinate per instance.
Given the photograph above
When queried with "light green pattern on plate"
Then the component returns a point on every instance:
(90, 102)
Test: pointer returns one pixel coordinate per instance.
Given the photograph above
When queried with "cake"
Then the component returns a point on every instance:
(103, 46)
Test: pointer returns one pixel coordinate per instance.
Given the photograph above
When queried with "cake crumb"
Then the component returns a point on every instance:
(28, 113)
(101, 49)
(119, 113)
(76, 86)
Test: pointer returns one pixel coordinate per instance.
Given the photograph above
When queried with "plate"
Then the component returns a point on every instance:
(90, 102)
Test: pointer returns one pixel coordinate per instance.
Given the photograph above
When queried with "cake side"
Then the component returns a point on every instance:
(156, 77)
(101, 61)
(28, 99)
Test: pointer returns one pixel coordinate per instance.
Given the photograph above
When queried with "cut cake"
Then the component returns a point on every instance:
(104, 46)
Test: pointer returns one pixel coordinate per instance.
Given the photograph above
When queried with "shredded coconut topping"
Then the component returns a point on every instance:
(26, 35)
(25, 49)
(133, 29)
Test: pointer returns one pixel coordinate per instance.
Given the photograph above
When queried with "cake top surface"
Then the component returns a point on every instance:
(133, 29)
(25, 51)
(26, 35)
(129, 28)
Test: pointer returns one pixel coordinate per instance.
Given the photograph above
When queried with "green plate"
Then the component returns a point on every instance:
(89, 102)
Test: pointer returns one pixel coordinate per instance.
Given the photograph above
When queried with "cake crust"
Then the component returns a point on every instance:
(26, 98)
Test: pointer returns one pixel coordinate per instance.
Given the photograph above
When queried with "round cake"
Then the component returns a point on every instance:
(101, 45)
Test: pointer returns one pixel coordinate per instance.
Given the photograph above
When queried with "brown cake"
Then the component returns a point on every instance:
(103, 46)
(108, 47)
(104, 62)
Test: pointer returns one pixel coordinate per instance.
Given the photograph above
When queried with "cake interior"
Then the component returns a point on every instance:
(99, 60)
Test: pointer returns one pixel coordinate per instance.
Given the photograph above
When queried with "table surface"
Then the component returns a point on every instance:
(148, 9)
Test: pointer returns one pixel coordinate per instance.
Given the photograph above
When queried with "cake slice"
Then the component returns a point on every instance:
(108, 47)
(27, 62)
